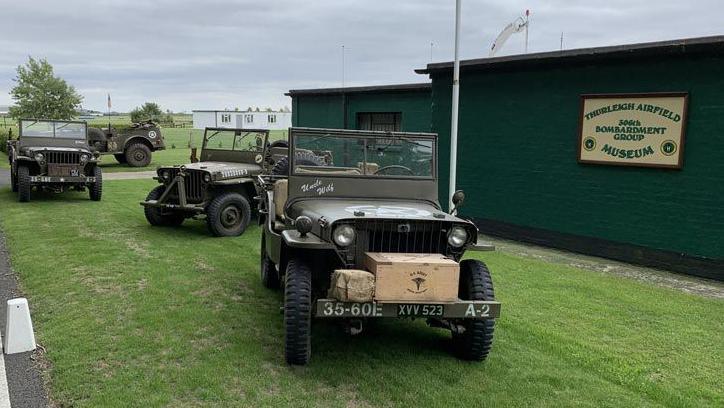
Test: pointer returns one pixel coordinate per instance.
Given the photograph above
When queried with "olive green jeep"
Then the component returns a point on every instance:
(132, 146)
(220, 187)
(377, 197)
(54, 156)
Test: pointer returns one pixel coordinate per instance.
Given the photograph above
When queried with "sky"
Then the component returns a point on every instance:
(223, 54)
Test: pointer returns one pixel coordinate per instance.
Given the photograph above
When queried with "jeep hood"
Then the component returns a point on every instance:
(334, 209)
(225, 169)
(34, 149)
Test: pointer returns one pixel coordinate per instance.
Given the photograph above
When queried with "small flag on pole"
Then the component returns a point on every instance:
(109, 101)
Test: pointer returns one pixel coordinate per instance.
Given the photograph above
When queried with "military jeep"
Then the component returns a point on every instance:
(218, 188)
(132, 146)
(53, 155)
(379, 196)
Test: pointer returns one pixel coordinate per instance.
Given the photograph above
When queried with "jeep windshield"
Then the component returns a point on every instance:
(52, 129)
(234, 140)
(365, 154)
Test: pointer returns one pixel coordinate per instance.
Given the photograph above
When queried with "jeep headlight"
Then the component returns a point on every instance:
(165, 175)
(207, 177)
(343, 235)
(457, 237)
(39, 157)
(84, 158)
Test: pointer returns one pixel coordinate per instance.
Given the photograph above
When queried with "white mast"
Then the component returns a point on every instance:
(455, 101)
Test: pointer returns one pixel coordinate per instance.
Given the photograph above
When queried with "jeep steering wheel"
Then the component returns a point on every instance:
(394, 166)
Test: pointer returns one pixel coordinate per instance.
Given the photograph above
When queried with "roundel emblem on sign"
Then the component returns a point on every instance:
(152, 134)
(668, 147)
(589, 144)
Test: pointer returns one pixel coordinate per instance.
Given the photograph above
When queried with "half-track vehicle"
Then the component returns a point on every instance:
(132, 146)
(219, 187)
(54, 156)
(372, 204)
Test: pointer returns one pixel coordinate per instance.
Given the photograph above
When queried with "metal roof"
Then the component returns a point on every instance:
(687, 46)
(418, 87)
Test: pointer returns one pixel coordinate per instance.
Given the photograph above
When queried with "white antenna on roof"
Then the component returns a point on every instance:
(516, 26)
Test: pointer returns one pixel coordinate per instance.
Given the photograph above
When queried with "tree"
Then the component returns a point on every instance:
(41, 94)
(147, 111)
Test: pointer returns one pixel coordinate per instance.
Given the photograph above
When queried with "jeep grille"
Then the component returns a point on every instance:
(193, 184)
(402, 236)
(53, 157)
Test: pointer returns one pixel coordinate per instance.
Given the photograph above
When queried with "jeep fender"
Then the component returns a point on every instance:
(138, 139)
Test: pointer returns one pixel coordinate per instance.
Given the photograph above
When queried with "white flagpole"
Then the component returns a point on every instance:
(455, 102)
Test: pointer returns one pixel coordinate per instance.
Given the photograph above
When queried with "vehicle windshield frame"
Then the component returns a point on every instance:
(54, 123)
(243, 132)
(357, 134)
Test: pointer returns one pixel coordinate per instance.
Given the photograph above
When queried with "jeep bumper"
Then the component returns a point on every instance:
(461, 309)
(64, 179)
(170, 206)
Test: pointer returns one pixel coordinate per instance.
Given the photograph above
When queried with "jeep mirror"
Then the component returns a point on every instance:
(457, 199)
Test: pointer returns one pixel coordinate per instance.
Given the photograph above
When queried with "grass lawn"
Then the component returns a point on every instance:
(135, 315)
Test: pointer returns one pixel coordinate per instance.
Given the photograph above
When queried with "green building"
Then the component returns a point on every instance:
(522, 139)
(403, 107)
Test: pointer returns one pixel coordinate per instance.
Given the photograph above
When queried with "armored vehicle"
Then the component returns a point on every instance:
(53, 155)
(219, 187)
(132, 146)
(371, 211)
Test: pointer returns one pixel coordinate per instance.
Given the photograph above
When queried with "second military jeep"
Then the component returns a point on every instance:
(219, 187)
(376, 199)
(53, 155)
(132, 146)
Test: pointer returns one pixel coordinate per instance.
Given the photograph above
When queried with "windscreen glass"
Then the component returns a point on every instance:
(234, 140)
(390, 155)
(50, 129)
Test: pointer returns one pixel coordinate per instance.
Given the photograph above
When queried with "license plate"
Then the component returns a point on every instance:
(420, 310)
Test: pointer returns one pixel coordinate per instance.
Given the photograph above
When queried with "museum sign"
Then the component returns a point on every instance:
(633, 129)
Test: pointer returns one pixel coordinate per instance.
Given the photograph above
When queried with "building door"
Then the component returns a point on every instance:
(379, 121)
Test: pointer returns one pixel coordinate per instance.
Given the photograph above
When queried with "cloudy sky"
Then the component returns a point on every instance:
(216, 54)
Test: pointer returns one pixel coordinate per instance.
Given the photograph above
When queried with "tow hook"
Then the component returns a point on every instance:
(353, 327)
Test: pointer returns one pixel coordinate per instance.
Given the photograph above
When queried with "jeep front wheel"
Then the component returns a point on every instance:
(297, 312)
(228, 215)
(24, 186)
(95, 190)
(157, 216)
(475, 284)
(138, 155)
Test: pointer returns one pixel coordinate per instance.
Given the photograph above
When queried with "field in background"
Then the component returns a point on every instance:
(131, 314)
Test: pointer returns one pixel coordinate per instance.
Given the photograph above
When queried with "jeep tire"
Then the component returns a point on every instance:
(269, 274)
(23, 182)
(475, 284)
(297, 312)
(228, 215)
(157, 216)
(138, 155)
(120, 158)
(95, 190)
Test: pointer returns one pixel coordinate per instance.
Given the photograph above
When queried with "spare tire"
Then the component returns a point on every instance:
(303, 157)
(96, 138)
(279, 143)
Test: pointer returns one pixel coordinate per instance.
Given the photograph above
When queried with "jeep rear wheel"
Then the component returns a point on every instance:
(228, 215)
(120, 158)
(95, 190)
(297, 312)
(138, 155)
(24, 186)
(475, 284)
(269, 274)
(159, 217)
